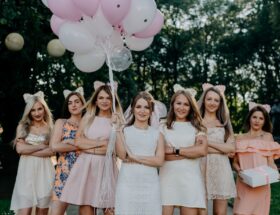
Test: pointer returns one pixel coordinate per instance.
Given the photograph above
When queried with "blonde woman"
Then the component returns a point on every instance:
(83, 186)
(216, 167)
(180, 176)
(35, 174)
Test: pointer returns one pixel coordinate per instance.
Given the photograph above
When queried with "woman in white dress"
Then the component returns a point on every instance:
(141, 148)
(34, 181)
(180, 176)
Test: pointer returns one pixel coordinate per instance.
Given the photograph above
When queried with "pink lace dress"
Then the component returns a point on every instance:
(217, 169)
(253, 153)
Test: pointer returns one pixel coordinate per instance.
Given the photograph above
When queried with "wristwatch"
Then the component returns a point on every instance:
(177, 151)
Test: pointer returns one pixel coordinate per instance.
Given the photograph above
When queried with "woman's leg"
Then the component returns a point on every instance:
(86, 210)
(58, 207)
(189, 211)
(42, 211)
(167, 210)
(24, 211)
(220, 206)
(108, 211)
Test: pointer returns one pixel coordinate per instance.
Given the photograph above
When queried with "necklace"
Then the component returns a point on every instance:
(261, 134)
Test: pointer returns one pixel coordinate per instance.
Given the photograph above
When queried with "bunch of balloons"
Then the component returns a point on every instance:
(96, 30)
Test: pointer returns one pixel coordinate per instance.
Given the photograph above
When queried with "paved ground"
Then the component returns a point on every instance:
(73, 210)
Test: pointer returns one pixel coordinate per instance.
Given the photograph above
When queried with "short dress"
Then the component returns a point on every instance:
(253, 153)
(83, 186)
(218, 173)
(34, 181)
(65, 161)
(138, 189)
(181, 181)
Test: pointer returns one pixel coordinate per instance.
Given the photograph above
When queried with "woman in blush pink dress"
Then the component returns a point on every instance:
(216, 167)
(254, 148)
(62, 142)
(83, 186)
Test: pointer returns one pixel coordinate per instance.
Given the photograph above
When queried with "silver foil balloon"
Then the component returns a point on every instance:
(120, 58)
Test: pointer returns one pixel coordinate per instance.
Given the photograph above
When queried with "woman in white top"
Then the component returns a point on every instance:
(141, 148)
(180, 176)
(35, 174)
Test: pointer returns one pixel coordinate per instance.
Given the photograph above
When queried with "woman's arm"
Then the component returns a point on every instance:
(55, 142)
(199, 149)
(97, 151)
(120, 147)
(47, 152)
(235, 164)
(85, 143)
(23, 148)
(154, 161)
(226, 148)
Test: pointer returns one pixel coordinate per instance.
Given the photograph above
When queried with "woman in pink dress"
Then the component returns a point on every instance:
(62, 142)
(254, 148)
(83, 186)
(216, 167)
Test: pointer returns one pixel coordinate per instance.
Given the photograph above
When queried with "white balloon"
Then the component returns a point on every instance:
(120, 58)
(138, 44)
(76, 38)
(100, 24)
(45, 2)
(140, 15)
(55, 48)
(90, 62)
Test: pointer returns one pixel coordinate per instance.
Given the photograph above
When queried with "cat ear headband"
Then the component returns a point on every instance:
(78, 90)
(265, 106)
(98, 84)
(178, 87)
(27, 97)
(221, 88)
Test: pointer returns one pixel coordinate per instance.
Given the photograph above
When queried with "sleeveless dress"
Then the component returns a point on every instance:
(253, 153)
(138, 189)
(34, 181)
(181, 181)
(218, 173)
(65, 161)
(83, 186)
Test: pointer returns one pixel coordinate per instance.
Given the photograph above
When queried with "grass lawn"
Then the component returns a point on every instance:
(275, 199)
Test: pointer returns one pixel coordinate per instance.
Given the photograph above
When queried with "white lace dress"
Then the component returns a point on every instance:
(138, 190)
(34, 181)
(218, 173)
(181, 181)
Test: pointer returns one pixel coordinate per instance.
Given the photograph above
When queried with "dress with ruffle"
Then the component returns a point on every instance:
(34, 181)
(253, 153)
(65, 161)
(218, 173)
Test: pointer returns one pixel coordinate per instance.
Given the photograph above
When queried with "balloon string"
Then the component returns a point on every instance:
(107, 48)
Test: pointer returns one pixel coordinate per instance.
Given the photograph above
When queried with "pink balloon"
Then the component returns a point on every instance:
(89, 7)
(56, 22)
(65, 9)
(153, 28)
(115, 10)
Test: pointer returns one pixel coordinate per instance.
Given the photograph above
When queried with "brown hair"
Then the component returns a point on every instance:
(65, 110)
(267, 123)
(222, 112)
(141, 95)
(193, 116)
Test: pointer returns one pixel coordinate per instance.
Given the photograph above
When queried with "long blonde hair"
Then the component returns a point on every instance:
(92, 109)
(222, 112)
(25, 123)
(193, 116)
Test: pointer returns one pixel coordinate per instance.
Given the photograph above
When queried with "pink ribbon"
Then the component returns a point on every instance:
(221, 88)
(265, 106)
